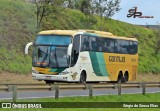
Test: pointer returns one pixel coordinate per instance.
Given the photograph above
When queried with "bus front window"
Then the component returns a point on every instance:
(51, 51)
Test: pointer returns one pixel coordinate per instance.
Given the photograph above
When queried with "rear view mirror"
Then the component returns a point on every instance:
(27, 47)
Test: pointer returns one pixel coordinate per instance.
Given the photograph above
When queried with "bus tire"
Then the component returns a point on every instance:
(120, 77)
(126, 76)
(82, 78)
(49, 82)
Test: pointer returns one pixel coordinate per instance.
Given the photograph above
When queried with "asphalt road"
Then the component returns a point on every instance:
(69, 93)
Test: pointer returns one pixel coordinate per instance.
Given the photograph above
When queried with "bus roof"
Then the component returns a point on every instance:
(85, 31)
(58, 32)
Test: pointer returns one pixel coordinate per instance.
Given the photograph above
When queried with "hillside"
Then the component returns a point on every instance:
(155, 27)
(18, 27)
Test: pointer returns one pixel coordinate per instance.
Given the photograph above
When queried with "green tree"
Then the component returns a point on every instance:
(86, 6)
(73, 4)
(105, 9)
(42, 7)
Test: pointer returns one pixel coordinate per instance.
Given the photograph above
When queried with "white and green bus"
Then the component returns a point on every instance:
(83, 56)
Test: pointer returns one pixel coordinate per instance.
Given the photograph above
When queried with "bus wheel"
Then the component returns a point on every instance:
(120, 77)
(83, 78)
(125, 78)
(49, 82)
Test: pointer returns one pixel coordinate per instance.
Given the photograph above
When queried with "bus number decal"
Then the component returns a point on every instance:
(116, 59)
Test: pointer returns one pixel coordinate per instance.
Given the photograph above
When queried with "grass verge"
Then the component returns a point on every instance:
(107, 98)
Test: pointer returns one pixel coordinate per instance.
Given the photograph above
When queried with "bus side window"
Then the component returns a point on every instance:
(120, 48)
(133, 47)
(115, 46)
(84, 43)
(98, 48)
(125, 46)
(111, 46)
(105, 47)
(93, 44)
(108, 45)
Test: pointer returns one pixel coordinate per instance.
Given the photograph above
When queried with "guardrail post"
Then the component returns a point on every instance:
(52, 87)
(86, 86)
(119, 89)
(56, 92)
(90, 91)
(143, 88)
(14, 93)
(114, 87)
(10, 88)
(139, 85)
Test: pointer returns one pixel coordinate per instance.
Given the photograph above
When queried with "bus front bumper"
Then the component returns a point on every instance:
(50, 77)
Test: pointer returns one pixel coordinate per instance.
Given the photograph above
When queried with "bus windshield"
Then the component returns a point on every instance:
(51, 51)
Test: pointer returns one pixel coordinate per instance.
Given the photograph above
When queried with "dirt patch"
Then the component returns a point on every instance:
(8, 78)
(148, 78)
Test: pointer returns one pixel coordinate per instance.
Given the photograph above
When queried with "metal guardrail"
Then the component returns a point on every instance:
(56, 87)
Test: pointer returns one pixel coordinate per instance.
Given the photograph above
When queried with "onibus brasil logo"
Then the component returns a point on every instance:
(20, 105)
(134, 13)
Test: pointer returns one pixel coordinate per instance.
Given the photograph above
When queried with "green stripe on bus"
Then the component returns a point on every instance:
(102, 64)
(94, 62)
(98, 63)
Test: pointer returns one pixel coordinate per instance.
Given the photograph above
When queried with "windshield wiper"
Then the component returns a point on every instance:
(46, 55)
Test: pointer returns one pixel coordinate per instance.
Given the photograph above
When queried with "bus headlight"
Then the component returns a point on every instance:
(64, 72)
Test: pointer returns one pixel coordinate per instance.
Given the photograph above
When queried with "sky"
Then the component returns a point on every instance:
(147, 7)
